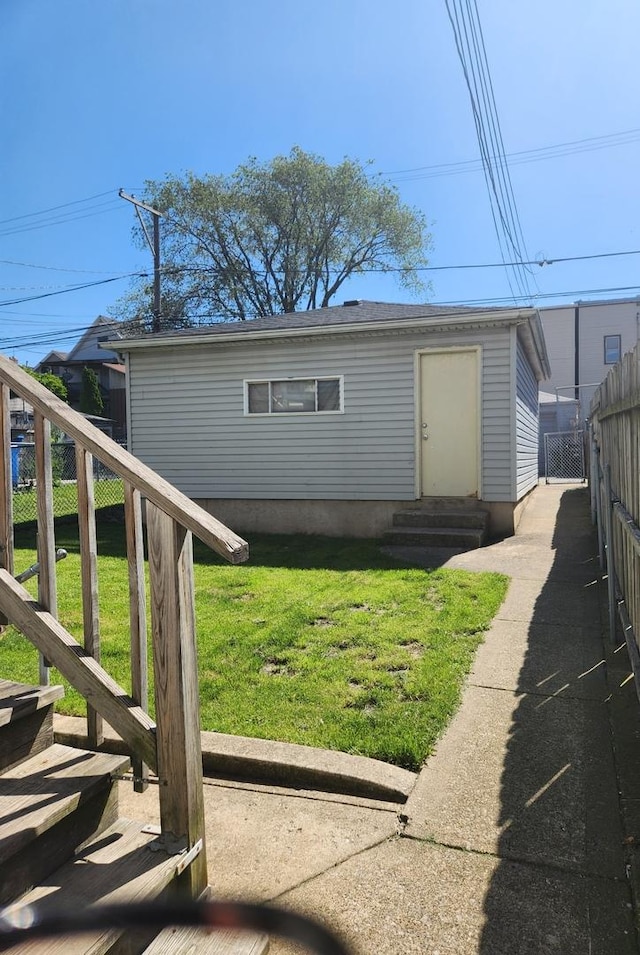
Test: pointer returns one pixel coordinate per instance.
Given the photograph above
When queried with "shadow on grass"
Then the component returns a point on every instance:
(309, 552)
(296, 551)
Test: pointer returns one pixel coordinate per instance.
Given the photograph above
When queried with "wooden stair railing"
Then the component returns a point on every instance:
(171, 746)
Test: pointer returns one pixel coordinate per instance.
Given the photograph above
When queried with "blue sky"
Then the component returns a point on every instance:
(97, 96)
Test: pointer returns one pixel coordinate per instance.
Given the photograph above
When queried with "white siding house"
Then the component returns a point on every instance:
(583, 340)
(328, 421)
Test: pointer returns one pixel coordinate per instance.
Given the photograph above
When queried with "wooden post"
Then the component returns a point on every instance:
(47, 589)
(176, 690)
(89, 577)
(596, 454)
(137, 614)
(6, 486)
(611, 572)
(592, 474)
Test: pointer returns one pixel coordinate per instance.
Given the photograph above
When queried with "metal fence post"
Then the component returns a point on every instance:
(611, 573)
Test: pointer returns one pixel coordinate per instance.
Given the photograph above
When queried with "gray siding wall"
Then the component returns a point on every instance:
(527, 425)
(188, 421)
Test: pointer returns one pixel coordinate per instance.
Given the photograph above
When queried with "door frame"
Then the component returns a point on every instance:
(438, 350)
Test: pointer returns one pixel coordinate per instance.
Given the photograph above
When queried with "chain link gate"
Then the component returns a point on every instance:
(564, 458)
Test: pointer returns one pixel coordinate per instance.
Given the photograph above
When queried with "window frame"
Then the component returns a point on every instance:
(606, 338)
(288, 414)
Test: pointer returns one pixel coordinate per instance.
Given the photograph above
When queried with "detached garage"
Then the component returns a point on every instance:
(331, 420)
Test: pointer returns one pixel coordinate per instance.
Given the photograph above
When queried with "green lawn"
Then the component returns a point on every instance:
(65, 499)
(315, 640)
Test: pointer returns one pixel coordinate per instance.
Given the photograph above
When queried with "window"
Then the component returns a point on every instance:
(612, 349)
(294, 396)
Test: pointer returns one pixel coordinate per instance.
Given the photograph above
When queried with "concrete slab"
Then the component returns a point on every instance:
(260, 844)
(532, 658)
(553, 603)
(414, 898)
(530, 557)
(527, 777)
(289, 764)
(270, 761)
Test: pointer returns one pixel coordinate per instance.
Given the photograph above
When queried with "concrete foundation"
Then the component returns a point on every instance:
(342, 518)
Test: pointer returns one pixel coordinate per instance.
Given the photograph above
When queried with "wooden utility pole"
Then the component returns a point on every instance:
(154, 245)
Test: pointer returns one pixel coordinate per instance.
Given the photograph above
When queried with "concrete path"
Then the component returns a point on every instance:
(519, 835)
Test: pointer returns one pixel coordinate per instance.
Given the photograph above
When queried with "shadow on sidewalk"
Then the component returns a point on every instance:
(559, 796)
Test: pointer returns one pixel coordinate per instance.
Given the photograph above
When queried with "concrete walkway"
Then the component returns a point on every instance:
(518, 836)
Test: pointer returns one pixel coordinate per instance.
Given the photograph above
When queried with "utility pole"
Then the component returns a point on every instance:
(154, 245)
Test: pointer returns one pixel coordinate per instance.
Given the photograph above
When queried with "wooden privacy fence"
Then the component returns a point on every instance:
(171, 745)
(615, 494)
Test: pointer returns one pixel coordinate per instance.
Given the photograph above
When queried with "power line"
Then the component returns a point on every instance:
(488, 302)
(170, 269)
(88, 212)
(52, 337)
(546, 295)
(75, 288)
(64, 205)
(494, 201)
(56, 268)
(538, 154)
(469, 41)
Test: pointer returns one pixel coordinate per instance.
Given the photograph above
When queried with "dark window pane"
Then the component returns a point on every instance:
(612, 349)
(259, 397)
(329, 395)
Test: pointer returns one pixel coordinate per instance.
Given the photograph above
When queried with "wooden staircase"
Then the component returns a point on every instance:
(62, 843)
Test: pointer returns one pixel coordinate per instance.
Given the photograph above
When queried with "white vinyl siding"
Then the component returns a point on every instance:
(188, 420)
(527, 425)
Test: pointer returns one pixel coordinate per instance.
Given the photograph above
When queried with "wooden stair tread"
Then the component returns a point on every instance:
(118, 866)
(197, 941)
(20, 699)
(41, 791)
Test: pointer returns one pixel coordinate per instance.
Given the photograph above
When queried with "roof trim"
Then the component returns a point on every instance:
(535, 346)
(461, 319)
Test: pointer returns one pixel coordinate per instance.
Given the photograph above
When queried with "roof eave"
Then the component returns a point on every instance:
(534, 343)
(515, 316)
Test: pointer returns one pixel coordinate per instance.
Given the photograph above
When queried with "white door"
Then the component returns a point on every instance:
(448, 424)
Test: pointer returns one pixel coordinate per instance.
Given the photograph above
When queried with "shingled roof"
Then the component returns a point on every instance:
(356, 312)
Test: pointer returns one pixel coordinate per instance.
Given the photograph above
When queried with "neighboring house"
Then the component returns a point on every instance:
(88, 353)
(584, 340)
(329, 421)
(21, 414)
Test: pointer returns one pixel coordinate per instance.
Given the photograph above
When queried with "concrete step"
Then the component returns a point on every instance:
(427, 517)
(49, 805)
(464, 537)
(26, 720)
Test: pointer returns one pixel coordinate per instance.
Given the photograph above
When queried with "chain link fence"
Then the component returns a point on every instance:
(564, 458)
(108, 487)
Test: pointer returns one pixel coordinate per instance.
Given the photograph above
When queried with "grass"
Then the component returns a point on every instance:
(65, 499)
(319, 641)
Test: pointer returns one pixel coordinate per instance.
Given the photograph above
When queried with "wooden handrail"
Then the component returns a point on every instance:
(173, 502)
(171, 745)
(85, 673)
